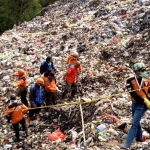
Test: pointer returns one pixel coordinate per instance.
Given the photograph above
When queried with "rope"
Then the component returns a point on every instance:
(82, 103)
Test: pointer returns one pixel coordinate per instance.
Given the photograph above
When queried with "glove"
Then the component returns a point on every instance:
(58, 89)
(147, 102)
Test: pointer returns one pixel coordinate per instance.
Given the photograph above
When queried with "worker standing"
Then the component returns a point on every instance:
(50, 89)
(36, 99)
(140, 90)
(21, 86)
(72, 60)
(15, 112)
(47, 65)
(45, 75)
(70, 78)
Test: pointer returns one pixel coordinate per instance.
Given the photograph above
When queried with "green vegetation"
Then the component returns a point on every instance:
(16, 11)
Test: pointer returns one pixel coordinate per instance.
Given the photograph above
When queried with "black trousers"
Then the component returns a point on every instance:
(16, 127)
(51, 98)
(70, 88)
(23, 96)
(34, 111)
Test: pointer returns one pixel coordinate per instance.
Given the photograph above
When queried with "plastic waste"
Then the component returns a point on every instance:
(114, 118)
(101, 127)
(57, 134)
(7, 146)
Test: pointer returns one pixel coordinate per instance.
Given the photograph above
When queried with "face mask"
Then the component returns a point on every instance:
(49, 63)
(143, 74)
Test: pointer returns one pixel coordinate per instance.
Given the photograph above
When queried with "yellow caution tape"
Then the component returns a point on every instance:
(82, 103)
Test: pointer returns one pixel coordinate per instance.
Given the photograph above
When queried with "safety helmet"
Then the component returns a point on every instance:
(21, 72)
(40, 81)
(75, 54)
(138, 66)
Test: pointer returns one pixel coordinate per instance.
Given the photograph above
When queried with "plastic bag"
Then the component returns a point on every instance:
(114, 118)
(101, 127)
(57, 134)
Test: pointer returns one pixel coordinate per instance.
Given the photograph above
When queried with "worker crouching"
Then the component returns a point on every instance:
(15, 113)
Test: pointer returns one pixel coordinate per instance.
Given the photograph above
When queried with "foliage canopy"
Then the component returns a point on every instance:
(16, 11)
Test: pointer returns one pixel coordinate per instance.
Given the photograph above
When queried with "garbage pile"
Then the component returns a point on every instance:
(110, 37)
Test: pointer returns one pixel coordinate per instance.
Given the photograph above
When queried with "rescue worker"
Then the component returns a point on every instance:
(21, 86)
(36, 99)
(70, 79)
(50, 89)
(45, 75)
(140, 102)
(47, 65)
(15, 112)
(72, 60)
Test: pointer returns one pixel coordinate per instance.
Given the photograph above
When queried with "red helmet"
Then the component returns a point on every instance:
(75, 54)
(21, 72)
(40, 81)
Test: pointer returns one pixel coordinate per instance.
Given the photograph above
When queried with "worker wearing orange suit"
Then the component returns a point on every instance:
(21, 85)
(15, 112)
(72, 60)
(139, 88)
(70, 79)
(51, 89)
(45, 75)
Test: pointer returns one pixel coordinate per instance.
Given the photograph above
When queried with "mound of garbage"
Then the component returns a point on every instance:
(110, 37)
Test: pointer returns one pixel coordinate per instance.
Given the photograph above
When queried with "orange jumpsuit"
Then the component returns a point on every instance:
(22, 87)
(72, 61)
(50, 95)
(16, 112)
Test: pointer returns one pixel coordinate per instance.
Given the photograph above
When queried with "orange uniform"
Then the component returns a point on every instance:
(22, 80)
(140, 94)
(18, 75)
(44, 78)
(71, 75)
(22, 86)
(72, 61)
(50, 86)
(21, 83)
(17, 111)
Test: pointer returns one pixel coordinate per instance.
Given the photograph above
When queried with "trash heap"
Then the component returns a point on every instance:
(110, 36)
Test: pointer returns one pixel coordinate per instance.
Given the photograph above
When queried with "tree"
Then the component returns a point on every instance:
(45, 3)
(16, 11)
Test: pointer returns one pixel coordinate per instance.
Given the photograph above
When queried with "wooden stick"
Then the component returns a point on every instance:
(82, 119)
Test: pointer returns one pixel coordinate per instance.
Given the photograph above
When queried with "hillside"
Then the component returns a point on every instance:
(110, 37)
